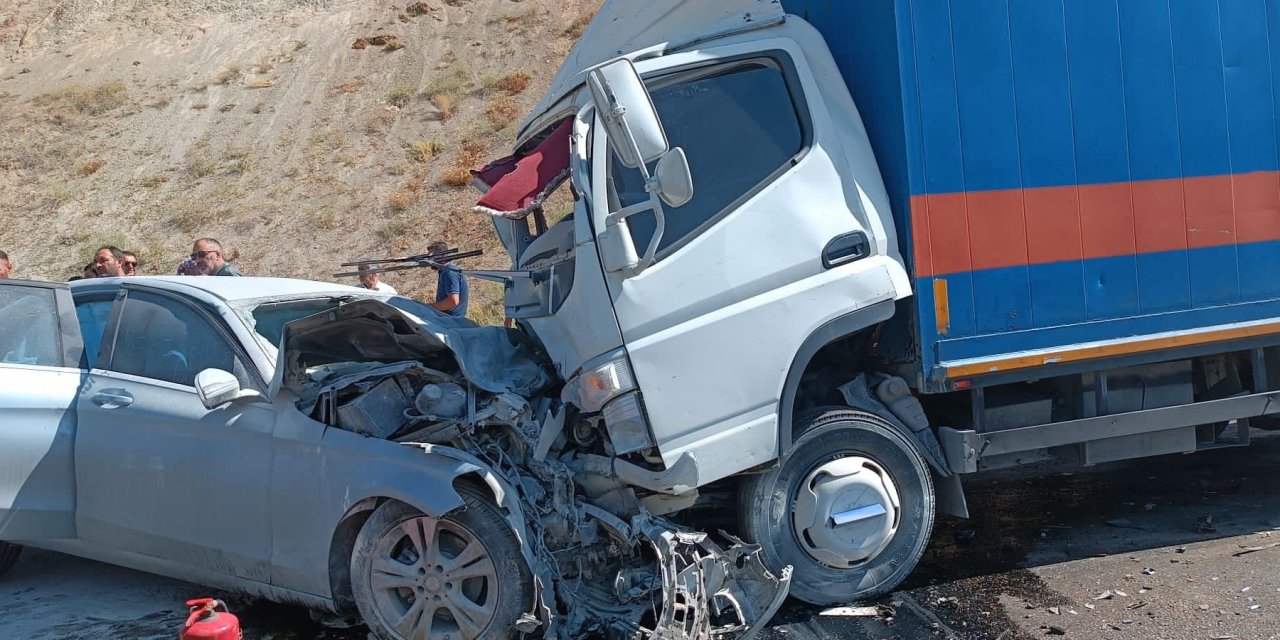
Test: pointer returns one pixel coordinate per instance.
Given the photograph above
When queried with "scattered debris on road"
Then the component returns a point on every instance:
(857, 612)
(1247, 550)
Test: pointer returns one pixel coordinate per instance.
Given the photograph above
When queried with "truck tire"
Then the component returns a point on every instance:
(461, 576)
(9, 553)
(850, 507)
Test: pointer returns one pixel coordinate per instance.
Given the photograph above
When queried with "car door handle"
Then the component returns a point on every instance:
(845, 248)
(113, 397)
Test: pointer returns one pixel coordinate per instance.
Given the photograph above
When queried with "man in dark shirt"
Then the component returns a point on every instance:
(451, 286)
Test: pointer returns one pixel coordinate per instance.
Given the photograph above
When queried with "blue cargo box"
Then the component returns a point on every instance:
(1071, 179)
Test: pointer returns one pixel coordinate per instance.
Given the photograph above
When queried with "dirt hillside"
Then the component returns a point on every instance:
(298, 132)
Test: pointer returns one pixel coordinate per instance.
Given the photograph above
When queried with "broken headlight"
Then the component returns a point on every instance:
(627, 425)
(600, 381)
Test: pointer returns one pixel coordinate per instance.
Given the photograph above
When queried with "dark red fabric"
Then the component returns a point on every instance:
(517, 184)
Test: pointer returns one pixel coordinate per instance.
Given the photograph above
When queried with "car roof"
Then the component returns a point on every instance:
(229, 289)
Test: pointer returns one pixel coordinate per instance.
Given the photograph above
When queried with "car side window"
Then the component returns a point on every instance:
(165, 339)
(738, 125)
(29, 330)
(93, 316)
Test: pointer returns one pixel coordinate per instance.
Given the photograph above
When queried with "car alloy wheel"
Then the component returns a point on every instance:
(434, 576)
(416, 577)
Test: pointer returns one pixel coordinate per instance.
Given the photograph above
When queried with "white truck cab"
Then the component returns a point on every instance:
(685, 293)
(775, 242)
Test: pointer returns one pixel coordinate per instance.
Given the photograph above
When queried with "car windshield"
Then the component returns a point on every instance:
(269, 318)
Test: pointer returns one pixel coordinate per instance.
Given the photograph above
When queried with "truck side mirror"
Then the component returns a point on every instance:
(631, 122)
(637, 139)
(675, 182)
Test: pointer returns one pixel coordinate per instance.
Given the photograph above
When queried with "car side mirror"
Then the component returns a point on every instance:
(217, 387)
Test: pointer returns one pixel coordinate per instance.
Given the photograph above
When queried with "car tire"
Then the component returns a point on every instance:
(9, 553)
(850, 507)
(460, 576)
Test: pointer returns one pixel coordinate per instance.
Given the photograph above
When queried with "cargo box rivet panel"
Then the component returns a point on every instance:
(1086, 177)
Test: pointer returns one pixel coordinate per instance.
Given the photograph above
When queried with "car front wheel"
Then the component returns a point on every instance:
(415, 577)
(8, 556)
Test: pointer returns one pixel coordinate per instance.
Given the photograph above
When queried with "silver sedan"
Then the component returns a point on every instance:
(156, 423)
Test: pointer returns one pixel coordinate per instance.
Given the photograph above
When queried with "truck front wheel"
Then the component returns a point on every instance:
(850, 507)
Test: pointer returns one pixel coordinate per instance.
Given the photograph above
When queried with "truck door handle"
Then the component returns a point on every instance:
(845, 248)
(112, 398)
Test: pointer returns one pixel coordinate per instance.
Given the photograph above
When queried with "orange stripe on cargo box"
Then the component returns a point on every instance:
(1257, 203)
(980, 230)
(1211, 220)
(1046, 358)
(941, 307)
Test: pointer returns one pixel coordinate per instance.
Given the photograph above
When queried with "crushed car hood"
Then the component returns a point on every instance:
(495, 359)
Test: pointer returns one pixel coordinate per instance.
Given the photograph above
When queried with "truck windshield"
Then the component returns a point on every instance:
(738, 125)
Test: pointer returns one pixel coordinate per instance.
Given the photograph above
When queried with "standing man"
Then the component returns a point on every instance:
(370, 280)
(451, 285)
(106, 262)
(129, 263)
(6, 267)
(209, 260)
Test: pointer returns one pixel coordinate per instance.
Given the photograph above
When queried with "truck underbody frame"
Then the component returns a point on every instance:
(1165, 429)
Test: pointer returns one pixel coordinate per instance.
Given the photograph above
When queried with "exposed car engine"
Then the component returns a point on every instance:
(604, 564)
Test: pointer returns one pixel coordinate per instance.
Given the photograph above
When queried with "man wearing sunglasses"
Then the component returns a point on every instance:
(207, 253)
(129, 263)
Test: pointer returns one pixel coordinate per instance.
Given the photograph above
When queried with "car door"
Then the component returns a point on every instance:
(40, 375)
(161, 475)
(769, 248)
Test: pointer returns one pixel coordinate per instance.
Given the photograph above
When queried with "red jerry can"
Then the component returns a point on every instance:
(210, 620)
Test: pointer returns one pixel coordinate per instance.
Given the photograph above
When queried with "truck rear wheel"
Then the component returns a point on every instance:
(850, 507)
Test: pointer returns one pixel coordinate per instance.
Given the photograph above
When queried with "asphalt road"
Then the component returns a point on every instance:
(1175, 547)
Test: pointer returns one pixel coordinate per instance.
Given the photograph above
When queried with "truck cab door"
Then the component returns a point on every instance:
(40, 376)
(773, 244)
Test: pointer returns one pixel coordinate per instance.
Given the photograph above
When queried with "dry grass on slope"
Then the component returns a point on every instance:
(263, 127)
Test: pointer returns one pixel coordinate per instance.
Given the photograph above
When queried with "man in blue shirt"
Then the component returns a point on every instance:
(451, 285)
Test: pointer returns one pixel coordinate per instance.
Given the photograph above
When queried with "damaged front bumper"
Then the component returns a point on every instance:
(597, 575)
(706, 591)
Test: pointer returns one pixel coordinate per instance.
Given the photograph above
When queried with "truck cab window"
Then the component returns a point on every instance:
(738, 125)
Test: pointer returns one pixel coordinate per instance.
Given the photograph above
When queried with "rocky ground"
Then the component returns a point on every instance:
(299, 132)
(1172, 548)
